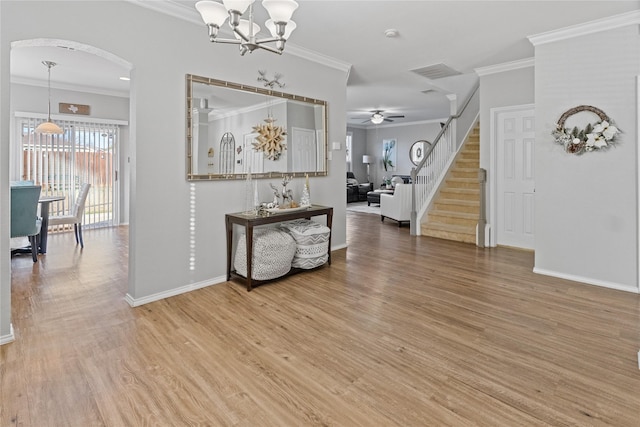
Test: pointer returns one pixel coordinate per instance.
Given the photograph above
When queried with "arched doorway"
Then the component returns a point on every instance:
(81, 74)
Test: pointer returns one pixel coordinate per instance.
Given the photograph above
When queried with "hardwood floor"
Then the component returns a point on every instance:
(398, 331)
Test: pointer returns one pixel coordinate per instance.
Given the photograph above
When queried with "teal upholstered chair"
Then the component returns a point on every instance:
(24, 215)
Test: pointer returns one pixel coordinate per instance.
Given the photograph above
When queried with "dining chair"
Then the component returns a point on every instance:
(75, 215)
(24, 215)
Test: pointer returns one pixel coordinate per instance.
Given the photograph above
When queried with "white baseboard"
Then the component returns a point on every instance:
(136, 302)
(6, 339)
(587, 280)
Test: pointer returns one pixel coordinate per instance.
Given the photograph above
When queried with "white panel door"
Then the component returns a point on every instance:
(253, 161)
(516, 174)
(302, 147)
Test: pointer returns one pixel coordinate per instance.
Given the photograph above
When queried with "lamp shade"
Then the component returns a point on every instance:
(280, 10)
(237, 5)
(243, 26)
(49, 128)
(212, 12)
(367, 159)
(271, 26)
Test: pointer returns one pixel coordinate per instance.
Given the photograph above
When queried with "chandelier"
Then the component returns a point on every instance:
(280, 25)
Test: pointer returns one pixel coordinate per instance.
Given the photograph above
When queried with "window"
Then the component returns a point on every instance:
(348, 144)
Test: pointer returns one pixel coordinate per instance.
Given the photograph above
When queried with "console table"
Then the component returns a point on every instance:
(249, 221)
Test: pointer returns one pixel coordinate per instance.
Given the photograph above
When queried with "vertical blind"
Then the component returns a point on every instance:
(85, 152)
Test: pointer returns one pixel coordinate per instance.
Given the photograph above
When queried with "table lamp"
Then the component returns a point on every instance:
(367, 160)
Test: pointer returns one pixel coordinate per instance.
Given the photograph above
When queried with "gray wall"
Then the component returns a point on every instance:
(34, 99)
(504, 89)
(163, 260)
(498, 90)
(586, 206)
(405, 136)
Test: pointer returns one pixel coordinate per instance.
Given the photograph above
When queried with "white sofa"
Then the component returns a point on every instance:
(397, 206)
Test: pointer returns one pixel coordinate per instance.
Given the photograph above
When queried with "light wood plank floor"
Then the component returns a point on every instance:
(399, 331)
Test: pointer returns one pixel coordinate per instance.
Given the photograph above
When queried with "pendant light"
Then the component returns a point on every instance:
(49, 127)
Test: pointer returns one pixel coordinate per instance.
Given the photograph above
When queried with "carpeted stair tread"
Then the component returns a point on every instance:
(450, 192)
(450, 232)
(468, 163)
(462, 182)
(450, 228)
(458, 202)
(453, 214)
(454, 218)
(454, 205)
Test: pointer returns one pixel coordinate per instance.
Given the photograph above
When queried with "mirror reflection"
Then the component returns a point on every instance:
(235, 129)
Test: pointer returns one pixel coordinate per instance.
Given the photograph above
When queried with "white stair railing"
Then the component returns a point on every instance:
(429, 173)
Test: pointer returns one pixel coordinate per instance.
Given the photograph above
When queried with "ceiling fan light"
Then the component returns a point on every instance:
(237, 5)
(49, 128)
(280, 10)
(273, 29)
(377, 118)
(212, 12)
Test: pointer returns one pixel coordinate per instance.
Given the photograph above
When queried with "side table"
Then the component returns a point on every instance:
(249, 221)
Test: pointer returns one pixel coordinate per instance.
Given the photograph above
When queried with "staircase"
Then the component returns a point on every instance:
(454, 214)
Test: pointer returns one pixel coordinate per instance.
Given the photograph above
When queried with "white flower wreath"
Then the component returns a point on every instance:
(599, 136)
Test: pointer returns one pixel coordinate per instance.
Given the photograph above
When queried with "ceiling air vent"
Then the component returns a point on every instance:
(436, 71)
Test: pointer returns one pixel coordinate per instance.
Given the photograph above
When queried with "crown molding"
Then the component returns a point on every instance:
(171, 8)
(318, 57)
(505, 66)
(70, 87)
(394, 125)
(609, 23)
(187, 13)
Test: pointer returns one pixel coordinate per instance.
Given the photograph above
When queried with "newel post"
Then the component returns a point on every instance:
(482, 220)
(414, 215)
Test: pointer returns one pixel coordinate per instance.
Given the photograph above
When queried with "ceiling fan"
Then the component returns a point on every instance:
(377, 117)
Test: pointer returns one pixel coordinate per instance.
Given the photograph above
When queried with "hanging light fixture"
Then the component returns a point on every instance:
(377, 118)
(215, 14)
(49, 127)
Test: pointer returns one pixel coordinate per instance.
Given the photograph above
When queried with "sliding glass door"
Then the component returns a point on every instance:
(85, 152)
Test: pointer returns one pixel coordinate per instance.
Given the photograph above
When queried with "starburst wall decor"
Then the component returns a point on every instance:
(270, 139)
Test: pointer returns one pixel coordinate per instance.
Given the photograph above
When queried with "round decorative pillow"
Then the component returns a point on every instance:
(312, 242)
(396, 180)
(273, 251)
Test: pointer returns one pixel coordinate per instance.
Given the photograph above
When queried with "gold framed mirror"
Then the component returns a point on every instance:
(273, 133)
